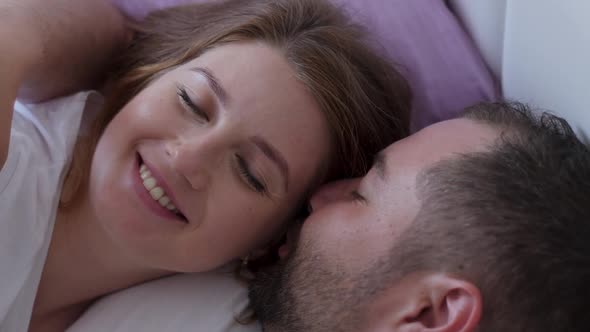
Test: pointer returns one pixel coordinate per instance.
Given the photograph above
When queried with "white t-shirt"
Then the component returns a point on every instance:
(41, 143)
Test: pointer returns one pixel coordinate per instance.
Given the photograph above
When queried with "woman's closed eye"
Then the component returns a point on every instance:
(188, 103)
(357, 197)
(251, 180)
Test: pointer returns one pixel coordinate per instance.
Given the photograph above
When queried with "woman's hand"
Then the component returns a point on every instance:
(51, 48)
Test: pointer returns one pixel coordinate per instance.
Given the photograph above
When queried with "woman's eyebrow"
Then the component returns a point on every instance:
(275, 156)
(214, 84)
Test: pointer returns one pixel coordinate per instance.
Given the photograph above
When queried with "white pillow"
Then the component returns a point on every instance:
(207, 302)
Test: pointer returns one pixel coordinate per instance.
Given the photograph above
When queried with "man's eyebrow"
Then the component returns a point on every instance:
(214, 84)
(274, 155)
(380, 165)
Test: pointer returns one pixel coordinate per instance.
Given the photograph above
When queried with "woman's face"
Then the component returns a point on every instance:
(207, 162)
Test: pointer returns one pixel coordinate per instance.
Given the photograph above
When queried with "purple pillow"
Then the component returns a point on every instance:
(445, 70)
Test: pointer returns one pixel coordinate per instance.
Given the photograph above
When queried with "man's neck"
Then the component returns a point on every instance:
(82, 265)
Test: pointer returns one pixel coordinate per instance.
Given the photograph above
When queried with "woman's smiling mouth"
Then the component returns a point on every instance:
(157, 193)
(153, 192)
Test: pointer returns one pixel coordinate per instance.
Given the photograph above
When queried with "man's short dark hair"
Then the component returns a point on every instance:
(514, 220)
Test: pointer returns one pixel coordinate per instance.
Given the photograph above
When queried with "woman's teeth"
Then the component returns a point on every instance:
(157, 193)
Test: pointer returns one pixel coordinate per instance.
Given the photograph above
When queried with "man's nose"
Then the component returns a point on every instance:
(333, 192)
(195, 159)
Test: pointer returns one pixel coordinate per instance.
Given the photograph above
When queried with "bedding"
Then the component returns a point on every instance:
(208, 302)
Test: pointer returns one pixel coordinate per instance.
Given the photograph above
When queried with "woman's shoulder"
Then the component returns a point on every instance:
(55, 122)
(42, 140)
(42, 136)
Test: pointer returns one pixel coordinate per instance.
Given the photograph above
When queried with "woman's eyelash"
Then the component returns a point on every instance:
(358, 197)
(247, 175)
(188, 102)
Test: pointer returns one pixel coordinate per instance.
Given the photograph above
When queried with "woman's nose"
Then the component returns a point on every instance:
(195, 159)
(333, 192)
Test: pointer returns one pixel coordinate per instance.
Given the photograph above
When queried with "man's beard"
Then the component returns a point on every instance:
(307, 293)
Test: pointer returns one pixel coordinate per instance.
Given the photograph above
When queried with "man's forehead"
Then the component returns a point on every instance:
(391, 185)
(442, 140)
(399, 165)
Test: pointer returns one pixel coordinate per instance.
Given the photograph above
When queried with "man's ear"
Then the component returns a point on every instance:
(428, 302)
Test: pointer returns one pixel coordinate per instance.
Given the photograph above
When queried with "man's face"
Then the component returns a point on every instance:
(324, 281)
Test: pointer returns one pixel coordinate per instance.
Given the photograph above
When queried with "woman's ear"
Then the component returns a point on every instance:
(428, 302)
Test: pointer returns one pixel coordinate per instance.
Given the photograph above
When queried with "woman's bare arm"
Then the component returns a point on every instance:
(50, 48)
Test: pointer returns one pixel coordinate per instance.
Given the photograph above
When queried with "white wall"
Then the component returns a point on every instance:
(544, 56)
(547, 56)
(484, 19)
